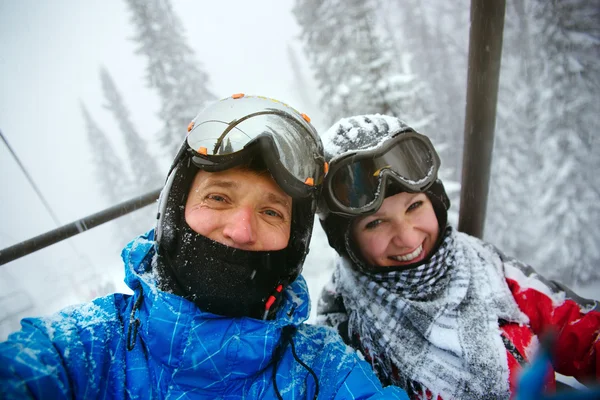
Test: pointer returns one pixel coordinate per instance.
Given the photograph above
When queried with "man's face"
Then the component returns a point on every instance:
(240, 208)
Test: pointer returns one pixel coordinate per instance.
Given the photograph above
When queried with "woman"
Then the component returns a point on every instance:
(441, 313)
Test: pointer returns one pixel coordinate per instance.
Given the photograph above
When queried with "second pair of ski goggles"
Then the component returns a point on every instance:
(239, 128)
(357, 181)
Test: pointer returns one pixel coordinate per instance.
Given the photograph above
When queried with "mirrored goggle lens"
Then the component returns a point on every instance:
(357, 184)
(219, 133)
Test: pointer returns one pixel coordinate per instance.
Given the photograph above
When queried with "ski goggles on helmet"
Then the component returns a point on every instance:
(357, 181)
(239, 128)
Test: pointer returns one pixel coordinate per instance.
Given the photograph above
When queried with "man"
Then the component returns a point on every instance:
(219, 303)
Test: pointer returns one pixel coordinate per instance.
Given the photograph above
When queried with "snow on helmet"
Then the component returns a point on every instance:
(371, 157)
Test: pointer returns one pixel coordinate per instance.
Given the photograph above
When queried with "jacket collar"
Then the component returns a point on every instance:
(178, 334)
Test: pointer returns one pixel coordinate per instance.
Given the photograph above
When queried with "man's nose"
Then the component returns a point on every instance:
(240, 227)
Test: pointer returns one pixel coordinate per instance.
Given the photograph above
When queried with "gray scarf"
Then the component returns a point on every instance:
(442, 334)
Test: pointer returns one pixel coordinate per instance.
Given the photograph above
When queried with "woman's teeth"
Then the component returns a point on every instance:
(410, 256)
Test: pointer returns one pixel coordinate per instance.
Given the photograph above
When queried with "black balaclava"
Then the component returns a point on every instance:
(371, 130)
(221, 279)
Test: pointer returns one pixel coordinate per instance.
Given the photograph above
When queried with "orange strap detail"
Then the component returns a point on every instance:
(272, 298)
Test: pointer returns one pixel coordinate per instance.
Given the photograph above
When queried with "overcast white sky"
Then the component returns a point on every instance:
(51, 52)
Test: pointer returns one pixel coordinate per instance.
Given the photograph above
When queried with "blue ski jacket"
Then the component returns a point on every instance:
(154, 345)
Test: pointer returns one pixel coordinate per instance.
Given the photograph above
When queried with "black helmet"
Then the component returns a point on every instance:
(371, 157)
(243, 130)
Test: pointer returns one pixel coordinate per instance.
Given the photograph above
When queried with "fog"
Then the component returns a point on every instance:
(50, 60)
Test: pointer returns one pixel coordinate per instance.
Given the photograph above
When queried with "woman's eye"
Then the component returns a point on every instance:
(373, 224)
(415, 205)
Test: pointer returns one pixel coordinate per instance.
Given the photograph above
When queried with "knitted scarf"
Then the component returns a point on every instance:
(442, 333)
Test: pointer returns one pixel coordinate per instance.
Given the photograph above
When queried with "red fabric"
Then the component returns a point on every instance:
(522, 336)
(577, 347)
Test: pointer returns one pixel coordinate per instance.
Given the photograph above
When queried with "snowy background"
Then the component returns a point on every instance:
(95, 95)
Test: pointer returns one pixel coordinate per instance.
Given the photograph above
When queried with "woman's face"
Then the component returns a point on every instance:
(402, 232)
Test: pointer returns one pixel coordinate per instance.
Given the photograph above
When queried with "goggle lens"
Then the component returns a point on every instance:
(358, 183)
(231, 125)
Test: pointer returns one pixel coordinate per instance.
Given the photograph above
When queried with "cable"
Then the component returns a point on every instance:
(37, 191)
(50, 211)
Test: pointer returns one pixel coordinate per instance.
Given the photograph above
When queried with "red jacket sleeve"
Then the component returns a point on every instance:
(551, 306)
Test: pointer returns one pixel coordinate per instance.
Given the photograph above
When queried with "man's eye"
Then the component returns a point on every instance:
(273, 213)
(415, 205)
(216, 197)
(373, 224)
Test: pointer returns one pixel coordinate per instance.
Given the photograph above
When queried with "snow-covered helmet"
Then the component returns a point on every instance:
(239, 130)
(371, 157)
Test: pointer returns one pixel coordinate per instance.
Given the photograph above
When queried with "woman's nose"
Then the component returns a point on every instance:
(240, 227)
(404, 236)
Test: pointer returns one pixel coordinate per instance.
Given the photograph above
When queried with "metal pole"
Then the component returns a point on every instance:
(485, 50)
(66, 231)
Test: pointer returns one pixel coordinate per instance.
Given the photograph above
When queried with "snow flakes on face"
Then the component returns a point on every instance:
(360, 132)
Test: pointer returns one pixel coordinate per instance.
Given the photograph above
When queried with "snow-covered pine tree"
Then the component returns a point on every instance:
(361, 70)
(143, 166)
(436, 35)
(111, 173)
(173, 68)
(300, 84)
(146, 174)
(513, 223)
(354, 65)
(570, 37)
